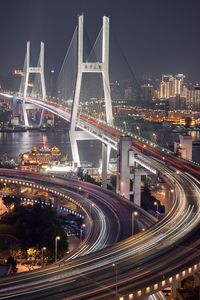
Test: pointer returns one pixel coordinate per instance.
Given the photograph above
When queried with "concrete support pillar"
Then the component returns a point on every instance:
(123, 178)
(196, 279)
(41, 117)
(74, 147)
(169, 197)
(186, 144)
(184, 147)
(175, 285)
(15, 107)
(57, 205)
(24, 112)
(104, 165)
(137, 189)
(53, 120)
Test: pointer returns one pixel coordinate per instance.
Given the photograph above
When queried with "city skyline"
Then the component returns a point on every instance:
(141, 29)
(99, 165)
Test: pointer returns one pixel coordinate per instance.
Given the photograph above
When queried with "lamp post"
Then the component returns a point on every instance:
(81, 232)
(156, 204)
(42, 253)
(124, 122)
(91, 205)
(116, 280)
(57, 238)
(172, 194)
(138, 129)
(133, 216)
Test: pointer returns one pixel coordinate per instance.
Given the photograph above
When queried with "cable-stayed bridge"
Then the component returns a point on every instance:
(145, 263)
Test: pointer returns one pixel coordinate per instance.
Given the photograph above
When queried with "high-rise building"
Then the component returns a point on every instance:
(177, 103)
(193, 99)
(128, 93)
(147, 92)
(172, 86)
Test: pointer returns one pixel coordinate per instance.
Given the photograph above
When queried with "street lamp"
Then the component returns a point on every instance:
(171, 196)
(57, 238)
(42, 253)
(116, 280)
(91, 205)
(133, 216)
(138, 129)
(81, 232)
(156, 204)
(125, 125)
(154, 136)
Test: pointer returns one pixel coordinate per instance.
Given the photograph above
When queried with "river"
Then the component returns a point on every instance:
(12, 144)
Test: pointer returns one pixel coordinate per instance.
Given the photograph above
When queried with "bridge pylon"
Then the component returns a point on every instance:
(101, 67)
(28, 69)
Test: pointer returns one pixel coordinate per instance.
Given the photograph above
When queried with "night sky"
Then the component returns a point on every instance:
(156, 36)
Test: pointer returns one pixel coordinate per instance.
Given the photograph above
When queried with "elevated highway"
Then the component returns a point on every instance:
(144, 263)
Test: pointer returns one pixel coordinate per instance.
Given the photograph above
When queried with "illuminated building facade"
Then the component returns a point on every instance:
(39, 158)
(172, 86)
(193, 99)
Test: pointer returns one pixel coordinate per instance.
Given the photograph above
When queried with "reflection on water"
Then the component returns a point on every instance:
(195, 135)
(14, 143)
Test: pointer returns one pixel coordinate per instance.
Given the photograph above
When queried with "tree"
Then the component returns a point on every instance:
(8, 201)
(37, 226)
(16, 252)
(113, 180)
(147, 200)
(11, 261)
(79, 173)
(33, 254)
(188, 121)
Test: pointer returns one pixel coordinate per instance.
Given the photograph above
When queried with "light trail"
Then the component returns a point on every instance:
(142, 259)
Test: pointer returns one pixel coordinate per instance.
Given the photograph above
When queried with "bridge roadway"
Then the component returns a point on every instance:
(107, 214)
(163, 250)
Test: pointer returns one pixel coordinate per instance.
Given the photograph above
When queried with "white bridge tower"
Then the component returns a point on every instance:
(32, 70)
(92, 67)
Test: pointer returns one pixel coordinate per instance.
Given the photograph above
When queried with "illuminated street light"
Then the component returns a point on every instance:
(57, 238)
(138, 129)
(42, 253)
(116, 280)
(156, 204)
(124, 122)
(133, 215)
(81, 232)
(154, 136)
(171, 195)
